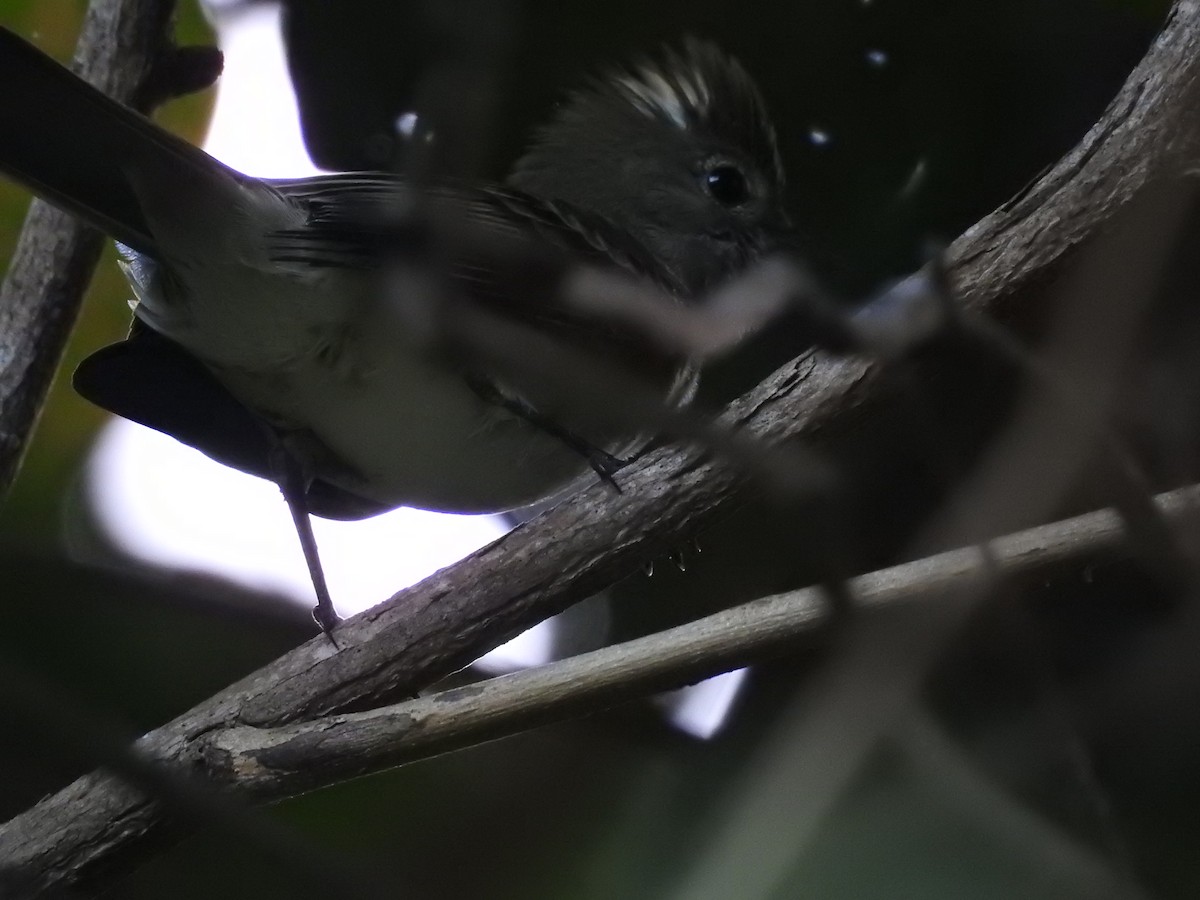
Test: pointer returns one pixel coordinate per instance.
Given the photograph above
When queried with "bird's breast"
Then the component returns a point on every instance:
(313, 353)
(392, 426)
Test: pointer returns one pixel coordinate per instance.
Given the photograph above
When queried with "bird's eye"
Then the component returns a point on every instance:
(727, 185)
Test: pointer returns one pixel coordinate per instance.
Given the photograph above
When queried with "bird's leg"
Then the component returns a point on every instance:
(603, 463)
(293, 483)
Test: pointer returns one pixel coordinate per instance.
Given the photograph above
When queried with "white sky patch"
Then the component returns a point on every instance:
(406, 124)
(166, 503)
(256, 123)
(877, 58)
(702, 709)
(819, 137)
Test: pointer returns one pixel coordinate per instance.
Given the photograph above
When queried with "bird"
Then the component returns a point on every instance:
(265, 330)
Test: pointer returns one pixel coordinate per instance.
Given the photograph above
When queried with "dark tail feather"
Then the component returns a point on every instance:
(73, 146)
(150, 379)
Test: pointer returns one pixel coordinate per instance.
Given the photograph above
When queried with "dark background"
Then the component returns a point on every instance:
(1069, 707)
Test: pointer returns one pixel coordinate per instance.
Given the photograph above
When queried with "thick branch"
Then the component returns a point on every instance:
(272, 763)
(999, 267)
(1149, 133)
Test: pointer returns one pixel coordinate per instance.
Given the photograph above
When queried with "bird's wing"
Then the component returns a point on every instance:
(501, 248)
(363, 217)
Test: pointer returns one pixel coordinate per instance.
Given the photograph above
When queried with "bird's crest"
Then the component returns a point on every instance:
(698, 86)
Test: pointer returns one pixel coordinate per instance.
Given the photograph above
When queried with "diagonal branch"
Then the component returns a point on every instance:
(273, 763)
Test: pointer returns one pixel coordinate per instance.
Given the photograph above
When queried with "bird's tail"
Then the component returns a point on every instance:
(73, 146)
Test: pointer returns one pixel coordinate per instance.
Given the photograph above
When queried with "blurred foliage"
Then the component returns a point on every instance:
(1067, 706)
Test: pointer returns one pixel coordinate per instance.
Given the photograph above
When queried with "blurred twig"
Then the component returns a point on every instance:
(46, 713)
(1033, 837)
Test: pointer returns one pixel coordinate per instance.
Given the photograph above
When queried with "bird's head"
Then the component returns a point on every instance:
(679, 151)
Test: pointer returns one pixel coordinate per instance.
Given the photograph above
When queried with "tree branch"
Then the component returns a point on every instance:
(273, 763)
(1000, 268)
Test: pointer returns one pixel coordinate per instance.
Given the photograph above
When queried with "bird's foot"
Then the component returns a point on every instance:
(325, 617)
(605, 465)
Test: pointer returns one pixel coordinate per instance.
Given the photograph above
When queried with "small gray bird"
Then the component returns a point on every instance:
(266, 331)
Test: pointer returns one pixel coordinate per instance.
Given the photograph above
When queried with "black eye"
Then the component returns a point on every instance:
(727, 185)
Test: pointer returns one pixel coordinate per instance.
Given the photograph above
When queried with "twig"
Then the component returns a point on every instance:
(272, 763)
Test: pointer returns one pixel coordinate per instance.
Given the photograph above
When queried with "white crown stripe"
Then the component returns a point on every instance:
(695, 88)
(680, 99)
(654, 97)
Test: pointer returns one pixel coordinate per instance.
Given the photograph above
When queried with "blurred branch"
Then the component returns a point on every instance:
(1001, 268)
(1033, 837)
(49, 715)
(125, 49)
